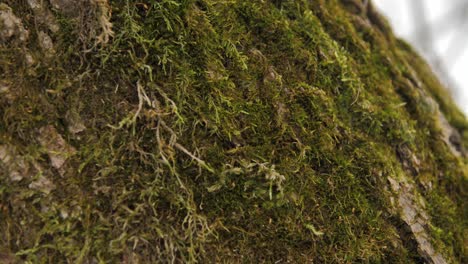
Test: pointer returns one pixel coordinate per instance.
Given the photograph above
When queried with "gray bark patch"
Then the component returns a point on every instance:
(56, 147)
(11, 26)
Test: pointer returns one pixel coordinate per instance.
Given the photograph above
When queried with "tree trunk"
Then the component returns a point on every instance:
(213, 131)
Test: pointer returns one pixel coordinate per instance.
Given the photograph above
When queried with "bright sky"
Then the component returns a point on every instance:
(454, 60)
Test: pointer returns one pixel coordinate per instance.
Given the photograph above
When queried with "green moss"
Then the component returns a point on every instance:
(227, 131)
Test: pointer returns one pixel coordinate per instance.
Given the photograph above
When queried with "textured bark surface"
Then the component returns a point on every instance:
(223, 131)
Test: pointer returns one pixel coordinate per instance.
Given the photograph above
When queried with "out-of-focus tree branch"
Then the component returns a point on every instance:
(426, 33)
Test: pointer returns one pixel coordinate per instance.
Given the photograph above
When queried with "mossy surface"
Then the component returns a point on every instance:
(225, 131)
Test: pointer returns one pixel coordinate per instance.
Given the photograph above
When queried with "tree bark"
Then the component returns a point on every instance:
(223, 131)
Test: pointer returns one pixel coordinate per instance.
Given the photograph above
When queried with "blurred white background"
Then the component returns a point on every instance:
(439, 30)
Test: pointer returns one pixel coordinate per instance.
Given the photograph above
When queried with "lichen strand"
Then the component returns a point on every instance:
(223, 131)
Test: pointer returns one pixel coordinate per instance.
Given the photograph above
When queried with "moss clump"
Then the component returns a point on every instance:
(224, 131)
